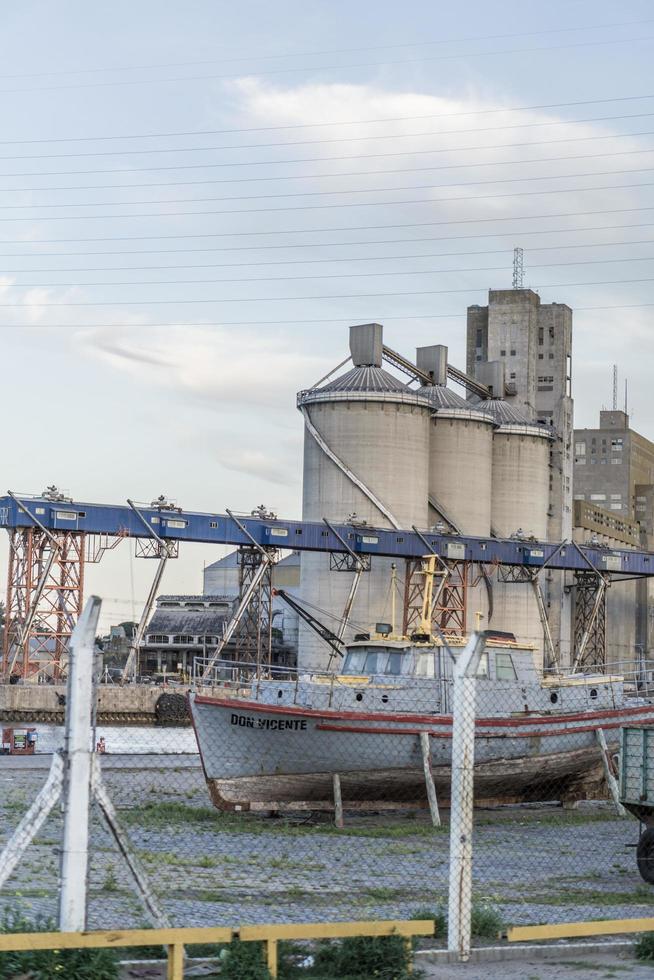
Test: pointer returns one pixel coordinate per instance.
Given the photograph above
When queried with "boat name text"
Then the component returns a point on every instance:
(272, 724)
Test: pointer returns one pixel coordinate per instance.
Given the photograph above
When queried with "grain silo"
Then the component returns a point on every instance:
(520, 502)
(366, 448)
(460, 451)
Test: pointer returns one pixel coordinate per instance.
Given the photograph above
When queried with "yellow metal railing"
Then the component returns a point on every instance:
(176, 939)
(573, 930)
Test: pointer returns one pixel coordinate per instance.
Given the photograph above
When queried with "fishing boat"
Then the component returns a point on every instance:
(269, 739)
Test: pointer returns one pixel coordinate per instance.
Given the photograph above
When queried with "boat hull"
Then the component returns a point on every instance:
(260, 755)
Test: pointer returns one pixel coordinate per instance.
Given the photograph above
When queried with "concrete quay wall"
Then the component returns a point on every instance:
(133, 704)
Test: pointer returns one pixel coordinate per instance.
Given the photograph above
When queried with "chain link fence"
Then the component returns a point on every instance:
(288, 797)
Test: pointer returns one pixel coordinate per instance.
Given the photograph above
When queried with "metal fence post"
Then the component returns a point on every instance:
(463, 757)
(77, 770)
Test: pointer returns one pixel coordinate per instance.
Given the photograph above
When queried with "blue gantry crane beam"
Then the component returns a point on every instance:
(53, 537)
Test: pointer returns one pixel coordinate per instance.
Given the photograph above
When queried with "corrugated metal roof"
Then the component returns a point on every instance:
(445, 400)
(187, 622)
(441, 397)
(367, 378)
(505, 414)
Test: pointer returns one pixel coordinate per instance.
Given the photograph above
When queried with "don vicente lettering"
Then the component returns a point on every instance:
(272, 724)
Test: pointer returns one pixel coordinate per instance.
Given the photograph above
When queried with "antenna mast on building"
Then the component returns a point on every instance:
(615, 387)
(518, 268)
(625, 397)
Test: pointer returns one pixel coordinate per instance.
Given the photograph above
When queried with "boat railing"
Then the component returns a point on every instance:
(231, 678)
(635, 676)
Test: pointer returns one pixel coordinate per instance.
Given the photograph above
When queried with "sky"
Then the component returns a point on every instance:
(347, 163)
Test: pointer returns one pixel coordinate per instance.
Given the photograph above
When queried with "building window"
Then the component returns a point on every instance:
(513, 352)
(598, 496)
(479, 337)
(541, 335)
(616, 462)
(580, 448)
(616, 445)
(540, 357)
(512, 375)
(502, 353)
(213, 523)
(579, 496)
(551, 357)
(580, 462)
(182, 638)
(616, 506)
(158, 638)
(616, 496)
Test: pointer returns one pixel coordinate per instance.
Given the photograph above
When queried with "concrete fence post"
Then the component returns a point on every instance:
(78, 752)
(462, 790)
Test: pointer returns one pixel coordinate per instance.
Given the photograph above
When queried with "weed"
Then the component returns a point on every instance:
(110, 883)
(244, 961)
(82, 964)
(382, 957)
(644, 948)
(485, 921)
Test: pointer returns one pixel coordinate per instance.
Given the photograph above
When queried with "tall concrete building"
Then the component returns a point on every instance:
(614, 470)
(610, 463)
(525, 347)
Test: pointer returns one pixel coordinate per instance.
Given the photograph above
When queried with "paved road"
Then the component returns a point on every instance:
(573, 966)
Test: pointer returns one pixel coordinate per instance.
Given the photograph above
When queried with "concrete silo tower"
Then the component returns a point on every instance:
(520, 502)
(366, 447)
(460, 451)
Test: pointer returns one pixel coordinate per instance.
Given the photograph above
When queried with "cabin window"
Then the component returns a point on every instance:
(394, 665)
(504, 669)
(354, 662)
(482, 669)
(425, 664)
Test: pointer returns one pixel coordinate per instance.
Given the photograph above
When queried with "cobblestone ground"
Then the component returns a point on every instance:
(532, 864)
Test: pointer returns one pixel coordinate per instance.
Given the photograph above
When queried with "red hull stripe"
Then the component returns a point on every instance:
(328, 715)
(361, 730)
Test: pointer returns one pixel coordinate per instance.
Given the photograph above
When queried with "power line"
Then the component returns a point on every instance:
(339, 275)
(330, 176)
(319, 68)
(304, 245)
(313, 54)
(348, 122)
(335, 139)
(355, 228)
(320, 207)
(366, 258)
(359, 122)
(274, 323)
(279, 299)
(358, 156)
(346, 190)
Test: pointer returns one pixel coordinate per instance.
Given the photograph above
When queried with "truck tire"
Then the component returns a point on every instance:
(645, 855)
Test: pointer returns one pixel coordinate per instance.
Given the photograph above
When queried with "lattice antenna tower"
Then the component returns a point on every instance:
(518, 268)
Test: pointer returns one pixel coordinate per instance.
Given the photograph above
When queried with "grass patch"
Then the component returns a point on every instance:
(82, 964)
(486, 921)
(582, 896)
(157, 815)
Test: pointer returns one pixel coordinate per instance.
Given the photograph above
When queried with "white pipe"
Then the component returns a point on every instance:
(77, 762)
(462, 790)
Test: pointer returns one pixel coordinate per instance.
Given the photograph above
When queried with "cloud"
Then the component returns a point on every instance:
(221, 366)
